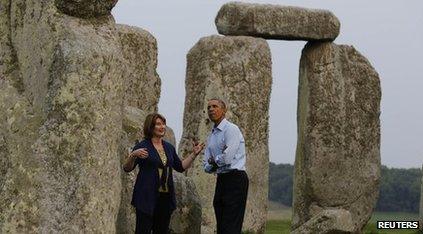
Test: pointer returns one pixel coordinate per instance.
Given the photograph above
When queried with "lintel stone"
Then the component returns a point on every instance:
(277, 22)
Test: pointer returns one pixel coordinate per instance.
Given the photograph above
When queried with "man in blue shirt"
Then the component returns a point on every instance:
(225, 155)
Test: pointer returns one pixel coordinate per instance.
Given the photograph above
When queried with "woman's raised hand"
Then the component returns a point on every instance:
(140, 153)
(197, 147)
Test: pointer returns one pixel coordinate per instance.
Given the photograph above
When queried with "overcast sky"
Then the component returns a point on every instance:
(388, 33)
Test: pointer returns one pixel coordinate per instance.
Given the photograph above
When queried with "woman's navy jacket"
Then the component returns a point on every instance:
(146, 188)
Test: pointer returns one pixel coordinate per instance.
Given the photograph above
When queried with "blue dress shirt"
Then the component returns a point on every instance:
(226, 145)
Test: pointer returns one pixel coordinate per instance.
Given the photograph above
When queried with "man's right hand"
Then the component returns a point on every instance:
(140, 153)
(213, 164)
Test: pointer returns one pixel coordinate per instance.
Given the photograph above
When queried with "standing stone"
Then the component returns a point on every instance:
(238, 70)
(170, 136)
(64, 91)
(337, 166)
(132, 124)
(276, 22)
(186, 219)
(139, 49)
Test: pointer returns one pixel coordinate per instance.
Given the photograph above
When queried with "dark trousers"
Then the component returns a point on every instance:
(229, 201)
(159, 222)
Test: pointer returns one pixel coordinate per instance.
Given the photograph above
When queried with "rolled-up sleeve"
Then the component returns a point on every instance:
(207, 166)
(177, 163)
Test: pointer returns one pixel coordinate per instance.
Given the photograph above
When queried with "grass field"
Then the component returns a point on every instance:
(279, 220)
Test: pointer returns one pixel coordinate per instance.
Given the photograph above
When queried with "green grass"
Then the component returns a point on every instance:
(278, 226)
(279, 222)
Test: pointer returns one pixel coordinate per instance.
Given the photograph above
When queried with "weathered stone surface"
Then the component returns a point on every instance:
(328, 221)
(141, 96)
(86, 8)
(133, 120)
(338, 152)
(170, 136)
(62, 135)
(20, 173)
(276, 22)
(140, 51)
(237, 69)
(186, 219)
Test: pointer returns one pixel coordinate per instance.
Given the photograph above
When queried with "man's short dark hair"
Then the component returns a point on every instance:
(149, 124)
(221, 102)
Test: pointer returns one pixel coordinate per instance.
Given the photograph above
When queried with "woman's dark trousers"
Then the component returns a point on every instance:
(159, 222)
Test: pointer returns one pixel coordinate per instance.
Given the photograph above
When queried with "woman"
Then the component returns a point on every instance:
(154, 194)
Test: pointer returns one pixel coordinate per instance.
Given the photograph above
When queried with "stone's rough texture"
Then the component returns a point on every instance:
(328, 221)
(69, 118)
(7, 53)
(133, 119)
(276, 22)
(19, 179)
(186, 219)
(86, 8)
(141, 96)
(338, 153)
(170, 136)
(421, 203)
(140, 51)
(237, 69)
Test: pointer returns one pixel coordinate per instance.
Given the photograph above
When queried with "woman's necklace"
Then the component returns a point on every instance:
(162, 154)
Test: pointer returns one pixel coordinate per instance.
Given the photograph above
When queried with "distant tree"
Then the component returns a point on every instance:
(280, 183)
(399, 188)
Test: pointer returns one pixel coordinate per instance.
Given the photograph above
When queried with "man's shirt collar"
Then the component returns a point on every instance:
(222, 125)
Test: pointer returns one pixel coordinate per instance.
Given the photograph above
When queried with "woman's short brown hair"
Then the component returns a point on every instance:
(150, 122)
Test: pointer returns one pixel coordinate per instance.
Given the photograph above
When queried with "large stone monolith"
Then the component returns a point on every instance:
(337, 167)
(277, 22)
(66, 88)
(238, 70)
(186, 219)
(139, 49)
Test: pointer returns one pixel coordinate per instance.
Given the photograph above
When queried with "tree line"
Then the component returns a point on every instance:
(399, 189)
